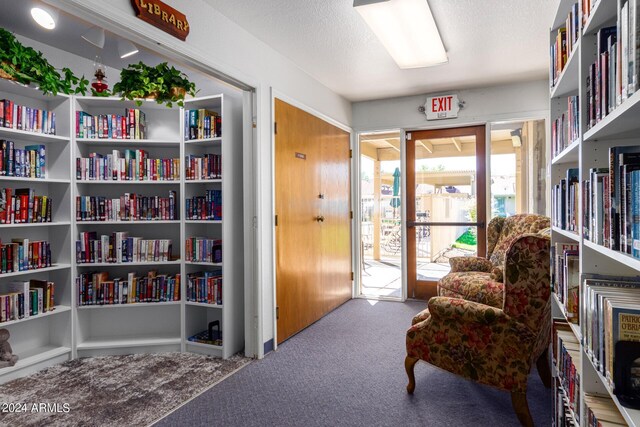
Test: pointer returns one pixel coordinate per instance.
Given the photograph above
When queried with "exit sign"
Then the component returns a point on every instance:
(442, 107)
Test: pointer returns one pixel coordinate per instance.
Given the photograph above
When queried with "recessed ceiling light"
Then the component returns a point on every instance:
(126, 48)
(45, 18)
(407, 30)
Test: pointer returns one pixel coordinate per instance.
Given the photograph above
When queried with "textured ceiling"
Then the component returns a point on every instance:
(488, 42)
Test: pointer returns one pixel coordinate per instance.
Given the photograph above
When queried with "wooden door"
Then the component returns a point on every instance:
(312, 190)
(462, 156)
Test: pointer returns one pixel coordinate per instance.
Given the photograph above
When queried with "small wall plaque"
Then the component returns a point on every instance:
(163, 16)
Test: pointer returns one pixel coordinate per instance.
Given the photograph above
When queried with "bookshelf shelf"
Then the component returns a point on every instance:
(564, 6)
(132, 264)
(35, 180)
(36, 271)
(84, 181)
(37, 224)
(203, 181)
(37, 355)
(59, 309)
(127, 142)
(210, 264)
(568, 80)
(131, 306)
(203, 221)
(601, 13)
(574, 327)
(203, 345)
(568, 155)
(621, 122)
(126, 342)
(26, 136)
(631, 416)
(620, 257)
(568, 234)
(205, 141)
(15, 88)
(145, 222)
(202, 304)
(117, 103)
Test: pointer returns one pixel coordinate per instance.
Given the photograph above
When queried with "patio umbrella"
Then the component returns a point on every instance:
(395, 201)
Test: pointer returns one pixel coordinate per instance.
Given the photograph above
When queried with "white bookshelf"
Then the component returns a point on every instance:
(46, 338)
(618, 128)
(229, 229)
(72, 331)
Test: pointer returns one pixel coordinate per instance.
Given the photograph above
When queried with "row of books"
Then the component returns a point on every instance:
(96, 288)
(133, 125)
(565, 199)
(566, 278)
(566, 128)
(612, 314)
(613, 77)
(205, 287)
(119, 247)
(29, 119)
(131, 165)
(28, 162)
(202, 249)
(20, 300)
(207, 166)
(207, 207)
(601, 412)
(23, 206)
(22, 255)
(128, 207)
(611, 202)
(559, 56)
(566, 356)
(202, 124)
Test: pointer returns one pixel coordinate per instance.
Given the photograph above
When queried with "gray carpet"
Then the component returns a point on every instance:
(347, 370)
(132, 390)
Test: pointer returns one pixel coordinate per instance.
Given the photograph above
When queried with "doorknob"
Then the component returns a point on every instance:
(320, 218)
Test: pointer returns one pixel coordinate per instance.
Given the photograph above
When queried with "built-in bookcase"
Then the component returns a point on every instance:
(47, 337)
(590, 149)
(72, 330)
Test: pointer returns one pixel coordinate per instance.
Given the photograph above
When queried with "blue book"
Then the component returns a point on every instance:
(635, 213)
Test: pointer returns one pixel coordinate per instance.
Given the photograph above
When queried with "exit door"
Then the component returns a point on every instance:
(446, 203)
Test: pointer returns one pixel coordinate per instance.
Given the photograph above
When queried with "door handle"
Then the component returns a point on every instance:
(320, 218)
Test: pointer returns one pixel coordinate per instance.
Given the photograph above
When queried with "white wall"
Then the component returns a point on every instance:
(515, 101)
(221, 44)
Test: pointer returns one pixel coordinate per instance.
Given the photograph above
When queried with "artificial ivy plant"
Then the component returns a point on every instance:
(163, 83)
(26, 65)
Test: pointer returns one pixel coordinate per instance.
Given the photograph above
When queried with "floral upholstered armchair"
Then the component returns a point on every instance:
(482, 279)
(493, 345)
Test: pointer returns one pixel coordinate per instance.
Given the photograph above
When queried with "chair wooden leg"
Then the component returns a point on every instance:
(409, 364)
(544, 370)
(519, 402)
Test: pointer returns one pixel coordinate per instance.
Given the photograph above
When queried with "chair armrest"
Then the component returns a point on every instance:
(457, 309)
(527, 279)
(470, 263)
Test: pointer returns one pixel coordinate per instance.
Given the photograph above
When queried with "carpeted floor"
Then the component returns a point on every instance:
(132, 390)
(347, 370)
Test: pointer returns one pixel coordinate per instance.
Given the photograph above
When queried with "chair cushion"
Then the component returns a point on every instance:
(472, 286)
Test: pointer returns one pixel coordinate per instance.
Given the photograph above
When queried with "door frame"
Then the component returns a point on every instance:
(482, 193)
(302, 106)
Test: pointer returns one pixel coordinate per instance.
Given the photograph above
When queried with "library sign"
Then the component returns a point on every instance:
(442, 107)
(163, 16)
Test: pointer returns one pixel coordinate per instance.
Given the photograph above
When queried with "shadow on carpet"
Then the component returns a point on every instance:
(130, 390)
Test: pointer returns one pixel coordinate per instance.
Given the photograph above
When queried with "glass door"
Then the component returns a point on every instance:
(446, 203)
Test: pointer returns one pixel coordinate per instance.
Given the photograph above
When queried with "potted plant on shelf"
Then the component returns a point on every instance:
(167, 85)
(25, 65)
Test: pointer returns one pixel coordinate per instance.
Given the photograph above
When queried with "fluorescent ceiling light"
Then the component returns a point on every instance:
(126, 48)
(44, 17)
(407, 30)
(95, 36)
